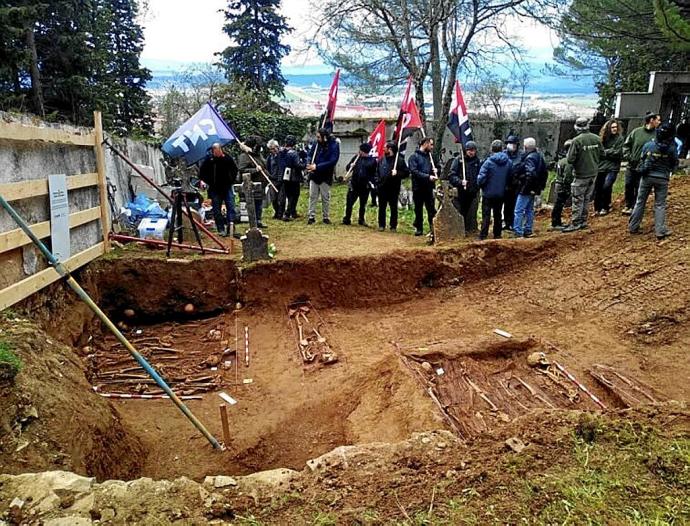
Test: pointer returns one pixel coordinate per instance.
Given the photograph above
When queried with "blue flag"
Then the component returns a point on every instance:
(193, 139)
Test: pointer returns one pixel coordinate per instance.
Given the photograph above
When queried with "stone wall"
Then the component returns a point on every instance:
(31, 160)
(352, 132)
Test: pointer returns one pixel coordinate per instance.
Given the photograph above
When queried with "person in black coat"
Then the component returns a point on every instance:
(290, 168)
(424, 175)
(363, 169)
(389, 176)
(219, 173)
(467, 201)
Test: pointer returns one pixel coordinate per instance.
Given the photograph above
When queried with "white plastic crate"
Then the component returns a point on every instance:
(151, 228)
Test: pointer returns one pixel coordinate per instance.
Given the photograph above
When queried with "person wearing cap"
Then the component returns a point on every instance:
(612, 139)
(219, 173)
(389, 176)
(424, 174)
(658, 160)
(564, 178)
(515, 155)
(463, 176)
(530, 182)
(363, 168)
(584, 155)
(494, 176)
(632, 152)
(291, 168)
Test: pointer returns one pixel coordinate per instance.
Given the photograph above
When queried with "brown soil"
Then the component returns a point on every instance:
(50, 419)
(590, 298)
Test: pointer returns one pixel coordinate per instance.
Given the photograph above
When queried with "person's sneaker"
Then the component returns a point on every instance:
(382, 228)
(418, 233)
(635, 232)
(287, 219)
(394, 229)
(528, 234)
(362, 223)
(571, 228)
(311, 221)
(261, 225)
(664, 235)
(326, 221)
(346, 221)
(626, 211)
(556, 228)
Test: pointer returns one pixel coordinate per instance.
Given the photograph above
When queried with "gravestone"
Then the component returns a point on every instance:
(449, 225)
(254, 242)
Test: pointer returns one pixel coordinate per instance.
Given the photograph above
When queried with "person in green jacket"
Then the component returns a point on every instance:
(564, 178)
(584, 154)
(632, 152)
(612, 139)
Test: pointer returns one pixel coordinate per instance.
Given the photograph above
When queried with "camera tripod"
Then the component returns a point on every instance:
(179, 198)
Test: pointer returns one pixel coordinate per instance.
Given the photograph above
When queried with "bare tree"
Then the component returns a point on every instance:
(381, 42)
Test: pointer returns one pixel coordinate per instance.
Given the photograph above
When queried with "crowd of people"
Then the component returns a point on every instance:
(506, 182)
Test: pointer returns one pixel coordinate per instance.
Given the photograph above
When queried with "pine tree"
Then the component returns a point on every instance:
(253, 58)
(65, 58)
(127, 108)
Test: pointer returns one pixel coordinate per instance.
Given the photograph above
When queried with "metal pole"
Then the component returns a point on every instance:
(159, 243)
(102, 316)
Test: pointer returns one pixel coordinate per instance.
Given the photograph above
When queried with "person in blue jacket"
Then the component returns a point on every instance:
(494, 177)
(321, 171)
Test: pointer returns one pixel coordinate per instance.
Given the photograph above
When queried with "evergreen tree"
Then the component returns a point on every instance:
(65, 58)
(253, 58)
(617, 44)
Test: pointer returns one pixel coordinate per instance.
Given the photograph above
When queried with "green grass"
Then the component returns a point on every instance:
(10, 364)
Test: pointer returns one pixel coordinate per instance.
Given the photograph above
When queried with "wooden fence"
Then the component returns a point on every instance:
(16, 239)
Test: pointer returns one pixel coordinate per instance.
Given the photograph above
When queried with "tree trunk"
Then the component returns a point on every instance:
(436, 75)
(36, 87)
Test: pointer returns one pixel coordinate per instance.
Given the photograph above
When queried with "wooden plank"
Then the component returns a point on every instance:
(33, 188)
(102, 181)
(28, 286)
(18, 132)
(17, 238)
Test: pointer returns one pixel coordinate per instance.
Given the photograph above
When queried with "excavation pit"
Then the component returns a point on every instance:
(411, 339)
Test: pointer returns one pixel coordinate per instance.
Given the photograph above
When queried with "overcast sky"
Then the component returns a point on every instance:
(192, 31)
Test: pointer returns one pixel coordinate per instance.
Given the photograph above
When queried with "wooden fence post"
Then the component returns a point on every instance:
(102, 181)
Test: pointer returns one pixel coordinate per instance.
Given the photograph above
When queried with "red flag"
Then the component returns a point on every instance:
(409, 114)
(329, 118)
(377, 139)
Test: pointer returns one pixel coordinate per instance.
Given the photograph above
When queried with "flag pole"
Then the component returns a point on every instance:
(259, 168)
(316, 146)
(462, 160)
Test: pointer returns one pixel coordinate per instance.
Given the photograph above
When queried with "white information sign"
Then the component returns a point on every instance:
(59, 217)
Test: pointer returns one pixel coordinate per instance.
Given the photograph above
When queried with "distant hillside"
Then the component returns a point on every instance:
(167, 72)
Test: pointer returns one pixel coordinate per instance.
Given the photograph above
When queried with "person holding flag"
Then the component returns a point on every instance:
(390, 172)
(323, 156)
(465, 168)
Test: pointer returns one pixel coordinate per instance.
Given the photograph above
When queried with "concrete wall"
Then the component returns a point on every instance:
(29, 160)
(352, 132)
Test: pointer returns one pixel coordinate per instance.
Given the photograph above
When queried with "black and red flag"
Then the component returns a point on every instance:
(458, 118)
(329, 116)
(377, 139)
(408, 118)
